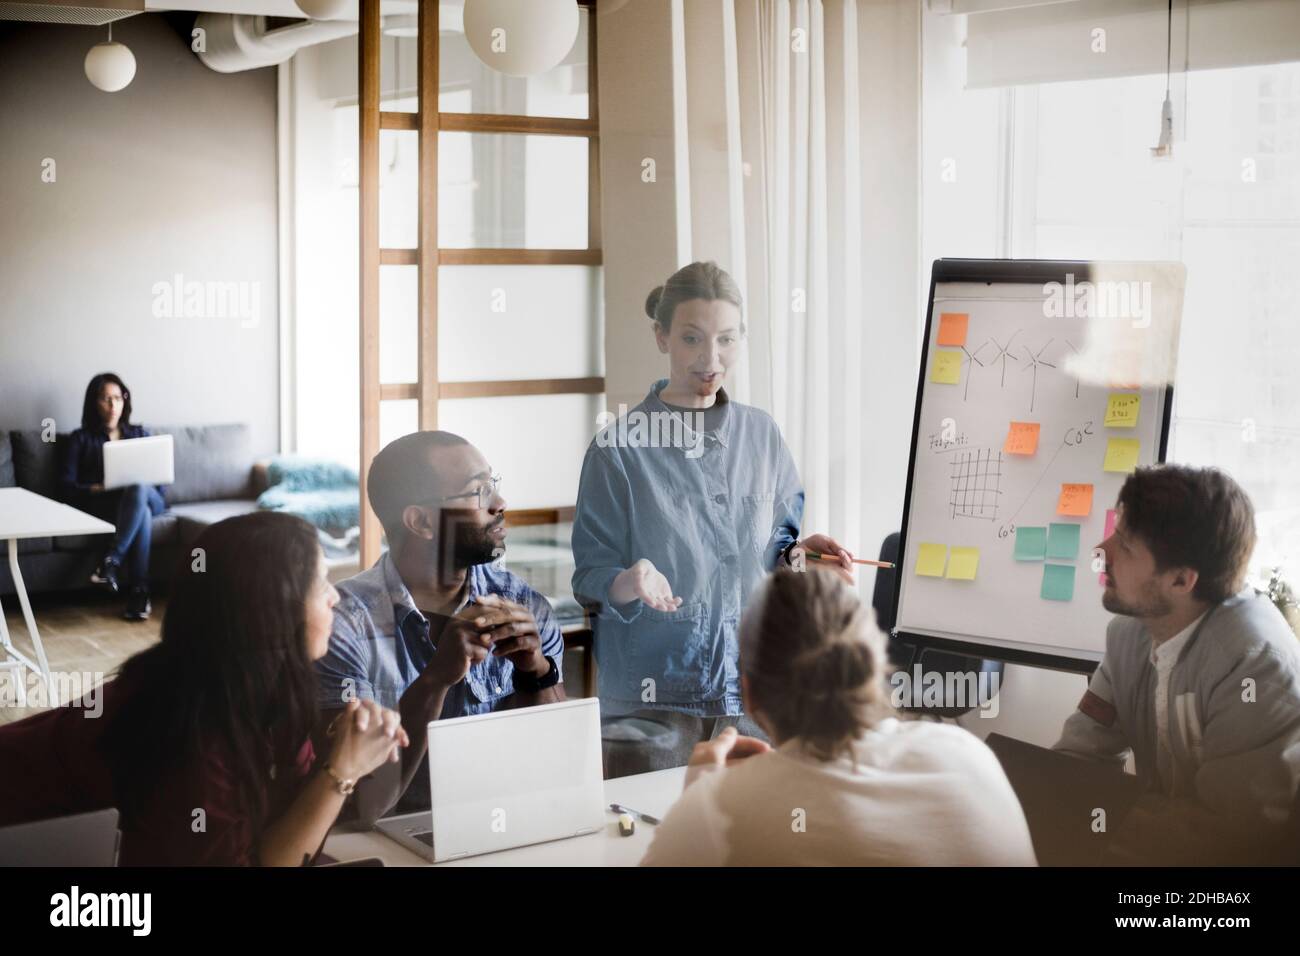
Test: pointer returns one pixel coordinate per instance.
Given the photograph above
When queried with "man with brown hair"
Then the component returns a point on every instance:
(1200, 678)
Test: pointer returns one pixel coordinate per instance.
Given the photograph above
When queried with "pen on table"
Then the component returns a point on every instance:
(818, 556)
(645, 817)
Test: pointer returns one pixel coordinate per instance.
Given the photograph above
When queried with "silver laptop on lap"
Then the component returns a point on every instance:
(139, 461)
(508, 779)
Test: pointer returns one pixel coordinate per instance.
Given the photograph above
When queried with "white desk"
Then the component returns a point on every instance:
(651, 793)
(25, 514)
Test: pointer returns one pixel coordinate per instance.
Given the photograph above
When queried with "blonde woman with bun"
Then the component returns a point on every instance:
(686, 503)
(845, 783)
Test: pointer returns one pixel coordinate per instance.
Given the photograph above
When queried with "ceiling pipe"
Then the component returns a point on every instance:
(235, 42)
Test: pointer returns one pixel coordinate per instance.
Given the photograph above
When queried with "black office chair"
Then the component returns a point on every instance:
(904, 655)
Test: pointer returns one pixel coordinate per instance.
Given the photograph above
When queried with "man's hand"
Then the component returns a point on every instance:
(512, 631)
(722, 751)
(462, 645)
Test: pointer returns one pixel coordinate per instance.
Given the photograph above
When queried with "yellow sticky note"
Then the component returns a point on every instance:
(963, 563)
(952, 328)
(1121, 455)
(1122, 410)
(1022, 439)
(1075, 500)
(946, 368)
(930, 559)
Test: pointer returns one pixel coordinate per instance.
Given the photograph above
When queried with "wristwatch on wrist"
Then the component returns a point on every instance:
(530, 684)
(343, 785)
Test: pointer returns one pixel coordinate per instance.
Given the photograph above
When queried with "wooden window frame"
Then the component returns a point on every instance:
(427, 122)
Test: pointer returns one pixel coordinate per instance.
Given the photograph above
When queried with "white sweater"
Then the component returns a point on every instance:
(918, 794)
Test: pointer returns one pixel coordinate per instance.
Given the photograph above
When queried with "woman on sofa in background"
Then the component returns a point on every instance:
(848, 783)
(214, 720)
(106, 416)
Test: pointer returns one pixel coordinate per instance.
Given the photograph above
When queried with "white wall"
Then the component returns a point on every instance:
(324, 250)
(639, 220)
(174, 174)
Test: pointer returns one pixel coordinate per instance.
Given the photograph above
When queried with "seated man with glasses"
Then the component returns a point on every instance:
(435, 629)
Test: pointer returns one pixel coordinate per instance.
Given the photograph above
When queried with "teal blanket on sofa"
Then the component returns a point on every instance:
(322, 492)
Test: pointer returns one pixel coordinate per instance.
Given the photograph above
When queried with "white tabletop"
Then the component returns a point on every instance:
(651, 793)
(25, 514)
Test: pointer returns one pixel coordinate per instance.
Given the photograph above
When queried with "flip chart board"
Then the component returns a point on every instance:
(1042, 386)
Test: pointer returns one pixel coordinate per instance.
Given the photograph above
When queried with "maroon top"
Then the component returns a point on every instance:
(53, 767)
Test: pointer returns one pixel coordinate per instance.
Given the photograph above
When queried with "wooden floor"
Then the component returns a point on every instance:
(83, 633)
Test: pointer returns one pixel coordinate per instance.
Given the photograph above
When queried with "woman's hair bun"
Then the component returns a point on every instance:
(652, 301)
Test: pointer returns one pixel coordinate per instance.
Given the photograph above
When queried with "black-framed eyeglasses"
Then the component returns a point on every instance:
(483, 493)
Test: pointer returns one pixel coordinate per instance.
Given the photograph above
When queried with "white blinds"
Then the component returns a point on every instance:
(1094, 39)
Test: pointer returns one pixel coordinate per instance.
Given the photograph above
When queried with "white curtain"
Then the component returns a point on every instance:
(798, 106)
(800, 120)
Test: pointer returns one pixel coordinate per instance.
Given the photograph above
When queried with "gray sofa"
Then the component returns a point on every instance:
(216, 478)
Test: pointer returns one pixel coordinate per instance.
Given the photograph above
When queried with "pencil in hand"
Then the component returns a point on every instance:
(818, 556)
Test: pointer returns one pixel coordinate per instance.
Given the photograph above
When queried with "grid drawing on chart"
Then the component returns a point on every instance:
(976, 481)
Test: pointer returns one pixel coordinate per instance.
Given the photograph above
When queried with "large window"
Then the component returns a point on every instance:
(519, 303)
(1064, 170)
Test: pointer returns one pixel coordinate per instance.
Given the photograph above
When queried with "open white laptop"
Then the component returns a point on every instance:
(83, 839)
(139, 461)
(508, 779)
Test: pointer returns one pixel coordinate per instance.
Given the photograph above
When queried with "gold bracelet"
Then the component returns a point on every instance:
(343, 785)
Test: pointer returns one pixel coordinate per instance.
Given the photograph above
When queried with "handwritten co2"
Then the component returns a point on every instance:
(1075, 436)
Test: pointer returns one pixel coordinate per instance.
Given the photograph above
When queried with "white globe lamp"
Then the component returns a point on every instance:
(521, 37)
(322, 9)
(110, 66)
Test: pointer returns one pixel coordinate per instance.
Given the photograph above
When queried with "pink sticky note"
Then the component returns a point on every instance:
(1110, 529)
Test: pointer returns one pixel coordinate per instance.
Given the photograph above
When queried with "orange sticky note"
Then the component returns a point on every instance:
(952, 328)
(1022, 439)
(1075, 500)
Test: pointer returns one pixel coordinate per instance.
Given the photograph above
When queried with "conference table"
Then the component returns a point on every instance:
(25, 514)
(651, 793)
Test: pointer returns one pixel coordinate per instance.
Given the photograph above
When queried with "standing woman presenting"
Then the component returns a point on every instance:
(685, 504)
(105, 417)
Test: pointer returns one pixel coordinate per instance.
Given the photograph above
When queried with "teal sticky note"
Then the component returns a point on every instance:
(1063, 541)
(1031, 544)
(1058, 582)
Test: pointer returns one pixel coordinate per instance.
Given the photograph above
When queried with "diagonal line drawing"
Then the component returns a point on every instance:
(1003, 353)
(1034, 362)
(970, 368)
(1076, 378)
